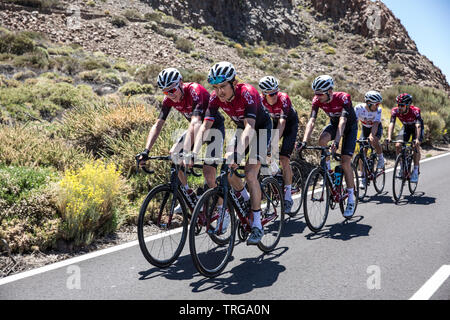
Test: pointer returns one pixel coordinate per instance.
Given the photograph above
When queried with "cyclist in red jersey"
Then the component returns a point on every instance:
(285, 119)
(243, 105)
(343, 124)
(191, 100)
(413, 126)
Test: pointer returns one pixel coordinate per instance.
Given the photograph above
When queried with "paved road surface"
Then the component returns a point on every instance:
(404, 244)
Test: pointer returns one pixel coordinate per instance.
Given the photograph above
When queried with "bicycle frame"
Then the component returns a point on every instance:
(223, 183)
(365, 145)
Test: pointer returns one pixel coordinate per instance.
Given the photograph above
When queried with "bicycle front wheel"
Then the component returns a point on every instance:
(297, 188)
(212, 245)
(398, 180)
(379, 177)
(316, 199)
(162, 226)
(361, 172)
(272, 213)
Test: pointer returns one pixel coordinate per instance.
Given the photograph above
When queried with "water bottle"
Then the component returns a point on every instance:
(338, 175)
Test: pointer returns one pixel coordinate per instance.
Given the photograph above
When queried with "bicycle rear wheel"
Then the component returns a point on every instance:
(379, 177)
(398, 180)
(297, 188)
(316, 198)
(162, 232)
(361, 173)
(272, 213)
(411, 185)
(210, 250)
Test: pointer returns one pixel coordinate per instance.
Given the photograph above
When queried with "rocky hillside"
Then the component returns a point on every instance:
(360, 42)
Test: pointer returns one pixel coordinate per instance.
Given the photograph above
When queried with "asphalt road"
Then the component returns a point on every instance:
(388, 251)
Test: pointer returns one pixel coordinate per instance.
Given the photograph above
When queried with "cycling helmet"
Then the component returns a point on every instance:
(322, 83)
(221, 72)
(373, 97)
(268, 84)
(404, 98)
(167, 77)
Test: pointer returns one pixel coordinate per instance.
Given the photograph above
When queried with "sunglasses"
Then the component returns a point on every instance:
(402, 105)
(319, 93)
(171, 91)
(372, 104)
(216, 80)
(271, 94)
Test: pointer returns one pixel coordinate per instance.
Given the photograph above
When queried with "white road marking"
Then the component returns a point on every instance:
(98, 253)
(433, 284)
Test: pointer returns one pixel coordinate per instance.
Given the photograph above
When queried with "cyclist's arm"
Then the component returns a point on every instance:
(281, 126)
(311, 123)
(375, 128)
(192, 131)
(391, 126)
(249, 131)
(154, 133)
(340, 129)
(206, 125)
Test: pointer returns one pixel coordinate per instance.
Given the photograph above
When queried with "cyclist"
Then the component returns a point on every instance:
(369, 114)
(285, 119)
(412, 121)
(191, 99)
(242, 103)
(343, 124)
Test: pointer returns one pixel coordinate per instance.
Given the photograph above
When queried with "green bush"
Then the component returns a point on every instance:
(31, 224)
(16, 183)
(119, 21)
(131, 14)
(40, 98)
(34, 146)
(36, 59)
(15, 43)
(92, 125)
(434, 126)
(132, 88)
(184, 45)
(147, 73)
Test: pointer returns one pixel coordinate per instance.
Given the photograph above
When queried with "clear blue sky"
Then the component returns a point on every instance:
(428, 24)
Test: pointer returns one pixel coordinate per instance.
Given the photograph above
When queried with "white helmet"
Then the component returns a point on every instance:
(322, 83)
(373, 97)
(167, 77)
(221, 72)
(268, 84)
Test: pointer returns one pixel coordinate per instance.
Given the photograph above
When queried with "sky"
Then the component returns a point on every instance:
(428, 24)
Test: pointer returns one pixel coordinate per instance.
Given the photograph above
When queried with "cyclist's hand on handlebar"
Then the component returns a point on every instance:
(142, 157)
(334, 147)
(299, 146)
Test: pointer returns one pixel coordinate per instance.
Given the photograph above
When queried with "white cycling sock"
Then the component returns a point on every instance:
(186, 187)
(416, 168)
(245, 194)
(329, 165)
(288, 194)
(380, 156)
(256, 219)
(351, 197)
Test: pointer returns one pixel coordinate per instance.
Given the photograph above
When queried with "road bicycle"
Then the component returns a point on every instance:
(210, 256)
(402, 170)
(367, 169)
(324, 189)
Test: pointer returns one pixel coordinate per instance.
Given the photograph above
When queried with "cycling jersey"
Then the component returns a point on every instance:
(282, 109)
(245, 104)
(408, 119)
(339, 106)
(367, 118)
(194, 103)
